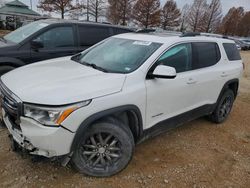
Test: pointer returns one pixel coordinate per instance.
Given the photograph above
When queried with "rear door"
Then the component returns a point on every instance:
(89, 35)
(233, 68)
(57, 42)
(207, 68)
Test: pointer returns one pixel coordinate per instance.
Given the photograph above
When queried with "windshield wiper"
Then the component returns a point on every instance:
(3, 39)
(76, 58)
(94, 66)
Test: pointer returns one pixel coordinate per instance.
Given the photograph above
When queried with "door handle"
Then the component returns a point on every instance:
(224, 74)
(191, 81)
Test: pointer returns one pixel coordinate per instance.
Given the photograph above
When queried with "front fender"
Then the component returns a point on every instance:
(84, 125)
(11, 61)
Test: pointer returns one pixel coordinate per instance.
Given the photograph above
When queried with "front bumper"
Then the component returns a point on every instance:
(38, 139)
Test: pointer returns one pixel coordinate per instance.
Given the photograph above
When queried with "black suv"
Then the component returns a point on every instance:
(52, 38)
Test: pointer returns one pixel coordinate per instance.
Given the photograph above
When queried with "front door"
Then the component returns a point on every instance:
(57, 42)
(167, 98)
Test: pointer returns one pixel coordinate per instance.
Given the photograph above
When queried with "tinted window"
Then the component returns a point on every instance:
(57, 37)
(205, 54)
(120, 31)
(90, 35)
(179, 57)
(24, 32)
(232, 52)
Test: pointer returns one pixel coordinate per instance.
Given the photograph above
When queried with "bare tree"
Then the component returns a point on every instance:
(2, 3)
(213, 15)
(196, 15)
(58, 6)
(184, 17)
(147, 13)
(113, 14)
(230, 23)
(119, 11)
(79, 11)
(244, 25)
(96, 8)
(170, 14)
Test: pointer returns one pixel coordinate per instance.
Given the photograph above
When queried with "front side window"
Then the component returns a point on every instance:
(57, 37)
(24, 32)
(178, 57)
(232, 52)
(118, 55)
(205, 54)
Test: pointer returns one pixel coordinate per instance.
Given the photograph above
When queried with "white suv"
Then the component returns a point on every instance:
(94, 107)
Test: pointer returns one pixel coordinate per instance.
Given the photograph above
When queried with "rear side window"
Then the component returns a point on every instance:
(90, 35)
(117, 31)
(205, 54)
(232, 52)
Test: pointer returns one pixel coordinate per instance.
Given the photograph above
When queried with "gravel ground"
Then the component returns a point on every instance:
(199, 154)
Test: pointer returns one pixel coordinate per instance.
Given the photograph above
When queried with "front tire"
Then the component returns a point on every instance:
(224, 107)
(104, 150)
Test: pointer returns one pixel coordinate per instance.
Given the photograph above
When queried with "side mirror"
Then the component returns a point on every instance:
(165, 72)
(36, 45)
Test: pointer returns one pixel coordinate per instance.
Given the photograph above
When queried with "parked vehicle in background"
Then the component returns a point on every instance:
(51, 38)
(93, 108)
(241, 45)
(247, 41)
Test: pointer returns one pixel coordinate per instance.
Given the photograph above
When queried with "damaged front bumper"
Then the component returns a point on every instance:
(38, 139)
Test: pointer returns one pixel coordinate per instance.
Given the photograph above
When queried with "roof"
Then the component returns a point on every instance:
(17, 8)
(169, 39)
(16, 3)
(61, 21)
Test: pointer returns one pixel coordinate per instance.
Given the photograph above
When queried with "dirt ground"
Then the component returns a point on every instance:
(4, 32)
(199, 154)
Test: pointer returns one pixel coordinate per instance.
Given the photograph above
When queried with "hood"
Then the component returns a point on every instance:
(5, 46)
(61, 81)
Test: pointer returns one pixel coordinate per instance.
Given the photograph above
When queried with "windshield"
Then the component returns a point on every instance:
(22, 33)
(118, 55)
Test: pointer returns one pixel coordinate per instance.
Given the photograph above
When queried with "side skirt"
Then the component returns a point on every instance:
(176, 121)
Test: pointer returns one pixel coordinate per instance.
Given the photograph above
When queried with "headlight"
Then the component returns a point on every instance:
(51, 116)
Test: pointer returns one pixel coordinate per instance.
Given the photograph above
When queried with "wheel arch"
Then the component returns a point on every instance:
(9, 61)
(231, 84)
(130, 115)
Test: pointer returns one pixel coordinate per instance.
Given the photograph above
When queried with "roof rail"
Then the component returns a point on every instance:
(190, 34)
(145, 30)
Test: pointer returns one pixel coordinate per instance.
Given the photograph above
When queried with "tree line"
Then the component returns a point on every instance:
(200, 16)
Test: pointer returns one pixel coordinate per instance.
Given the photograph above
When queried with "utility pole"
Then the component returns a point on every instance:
(87, 10)
(31, 4)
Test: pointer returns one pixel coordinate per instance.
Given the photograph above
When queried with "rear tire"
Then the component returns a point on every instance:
(4, 69)
(223, 108)
(105, 149)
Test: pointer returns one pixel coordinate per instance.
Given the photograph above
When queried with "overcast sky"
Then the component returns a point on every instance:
(226, 4)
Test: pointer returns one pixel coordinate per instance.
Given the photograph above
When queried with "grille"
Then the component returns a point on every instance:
(11, 106)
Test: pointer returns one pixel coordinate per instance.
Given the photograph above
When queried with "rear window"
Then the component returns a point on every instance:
(232, 52)
(205, 54)
(90, 35)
